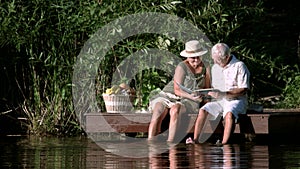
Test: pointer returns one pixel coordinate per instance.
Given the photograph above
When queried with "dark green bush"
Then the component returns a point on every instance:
(40, 41)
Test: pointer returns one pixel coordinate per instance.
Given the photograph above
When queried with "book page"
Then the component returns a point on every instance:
(204, 91)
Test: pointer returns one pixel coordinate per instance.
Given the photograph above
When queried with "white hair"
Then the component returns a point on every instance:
(221, 50)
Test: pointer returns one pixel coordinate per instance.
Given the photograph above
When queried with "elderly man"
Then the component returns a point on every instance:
(230, 77)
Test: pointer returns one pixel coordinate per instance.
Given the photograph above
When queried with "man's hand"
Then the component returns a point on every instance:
(217, 94)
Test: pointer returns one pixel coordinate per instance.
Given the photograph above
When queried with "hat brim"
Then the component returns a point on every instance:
(185, 54)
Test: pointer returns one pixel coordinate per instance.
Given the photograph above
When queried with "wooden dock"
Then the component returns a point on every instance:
(273, 122)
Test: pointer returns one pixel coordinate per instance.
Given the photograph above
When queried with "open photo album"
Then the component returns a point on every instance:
(197, 91)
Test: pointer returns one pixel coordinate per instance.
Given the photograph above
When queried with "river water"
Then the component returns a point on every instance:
(82, 152)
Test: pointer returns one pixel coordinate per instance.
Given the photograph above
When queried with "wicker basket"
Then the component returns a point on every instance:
(118, 103)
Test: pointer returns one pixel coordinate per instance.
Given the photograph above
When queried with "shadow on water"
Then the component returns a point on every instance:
(80, 152)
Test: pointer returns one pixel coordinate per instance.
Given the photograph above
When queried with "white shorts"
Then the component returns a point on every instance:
(222, 107)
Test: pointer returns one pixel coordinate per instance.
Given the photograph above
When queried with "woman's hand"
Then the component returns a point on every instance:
(196, 97)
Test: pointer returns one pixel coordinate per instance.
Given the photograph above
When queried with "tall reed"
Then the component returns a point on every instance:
(43, 39)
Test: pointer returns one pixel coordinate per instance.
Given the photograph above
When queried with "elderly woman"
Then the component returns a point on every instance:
(190, 74)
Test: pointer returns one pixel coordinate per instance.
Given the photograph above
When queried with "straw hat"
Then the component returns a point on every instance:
(193, 49)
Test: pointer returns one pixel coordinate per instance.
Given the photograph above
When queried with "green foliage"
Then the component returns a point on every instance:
(41, 40)
(291, 93)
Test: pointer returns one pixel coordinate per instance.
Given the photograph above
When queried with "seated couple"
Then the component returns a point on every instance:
(229, 75)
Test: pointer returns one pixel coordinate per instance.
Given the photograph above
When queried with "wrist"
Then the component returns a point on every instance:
(223, 94)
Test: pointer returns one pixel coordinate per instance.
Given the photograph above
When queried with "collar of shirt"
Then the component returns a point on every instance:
(232, 61)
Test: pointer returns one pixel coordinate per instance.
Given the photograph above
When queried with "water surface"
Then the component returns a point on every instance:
(81, 152)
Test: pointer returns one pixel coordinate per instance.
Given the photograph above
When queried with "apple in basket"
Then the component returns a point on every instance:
(123, 89)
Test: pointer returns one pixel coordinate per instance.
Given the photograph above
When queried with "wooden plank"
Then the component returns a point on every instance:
(269, 125)
(113, 122)
(268, 110)
(284, 123)
(139, 122)
(256, 123)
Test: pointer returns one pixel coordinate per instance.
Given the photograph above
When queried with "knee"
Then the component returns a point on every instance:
(174, 111)
(203, 112)
(158, 107)
(156, 114)
(229, 116)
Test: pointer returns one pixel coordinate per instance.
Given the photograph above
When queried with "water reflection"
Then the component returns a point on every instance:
(210, 156)
(18, 152)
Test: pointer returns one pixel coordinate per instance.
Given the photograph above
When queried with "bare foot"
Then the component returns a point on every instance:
(189, 141)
